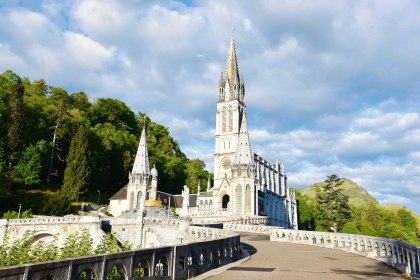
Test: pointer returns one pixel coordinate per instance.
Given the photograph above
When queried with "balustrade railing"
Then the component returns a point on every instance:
(403, 256)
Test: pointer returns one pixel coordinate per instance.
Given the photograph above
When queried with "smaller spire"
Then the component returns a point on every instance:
(141, 163)
(244, 153)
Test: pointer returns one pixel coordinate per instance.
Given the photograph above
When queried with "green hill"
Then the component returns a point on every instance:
(358, 196)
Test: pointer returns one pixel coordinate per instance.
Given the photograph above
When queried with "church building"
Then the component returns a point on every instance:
(245, 184)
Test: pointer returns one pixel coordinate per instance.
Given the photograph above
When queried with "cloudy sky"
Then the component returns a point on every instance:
(331, 86)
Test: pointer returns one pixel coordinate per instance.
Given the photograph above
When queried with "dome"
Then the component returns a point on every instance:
(154, 171)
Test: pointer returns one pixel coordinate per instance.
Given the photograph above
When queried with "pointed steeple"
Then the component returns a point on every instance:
(244, 153)
(141, 163)
(232, 72)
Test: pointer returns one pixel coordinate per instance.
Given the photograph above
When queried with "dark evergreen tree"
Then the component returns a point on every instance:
(15, 133)
(333, 204)
(77, 172)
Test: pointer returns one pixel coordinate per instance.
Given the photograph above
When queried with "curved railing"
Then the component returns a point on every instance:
(405, 257)
(169, 262)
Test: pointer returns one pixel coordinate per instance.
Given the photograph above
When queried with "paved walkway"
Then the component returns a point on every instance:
(277, 260)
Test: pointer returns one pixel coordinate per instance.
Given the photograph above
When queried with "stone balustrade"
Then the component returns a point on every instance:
(50, 220)
(171, 262)
(405, 257)
(205, 233)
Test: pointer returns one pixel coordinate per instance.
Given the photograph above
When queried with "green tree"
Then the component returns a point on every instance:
(77, 245)
(108, 244)
(196, 175)
(14, 215)
(350, 227)
(31, 167)
(57, 204)
(333, 205)
(15, 133)
(307, 212)
(77, 172)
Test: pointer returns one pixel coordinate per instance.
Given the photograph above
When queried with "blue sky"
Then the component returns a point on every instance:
(331, 86)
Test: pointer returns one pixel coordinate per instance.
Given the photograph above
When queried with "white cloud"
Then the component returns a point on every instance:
(331, 87)
(85, 53)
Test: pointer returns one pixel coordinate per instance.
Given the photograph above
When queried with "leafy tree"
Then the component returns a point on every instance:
(108, 244)
(15, 133)
(57, 204)
(350, 227)
(77, 173)
(3, 169)
(333, 205)
(114, 274)
(14, 215)
(77, 245)
(307, 212)
(19, 251)
(196, 175)
(30, 168)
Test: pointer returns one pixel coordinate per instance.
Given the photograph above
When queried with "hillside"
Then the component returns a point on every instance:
(358, 196)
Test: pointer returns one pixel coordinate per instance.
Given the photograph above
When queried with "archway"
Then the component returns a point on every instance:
(87, 274)
(225, 201)
(142, 269)
(161, 267)
(118, 272)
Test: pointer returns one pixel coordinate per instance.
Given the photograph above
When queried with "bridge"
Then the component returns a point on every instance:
(276, 253)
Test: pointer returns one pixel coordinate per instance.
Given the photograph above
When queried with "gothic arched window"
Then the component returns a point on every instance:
(223, 121)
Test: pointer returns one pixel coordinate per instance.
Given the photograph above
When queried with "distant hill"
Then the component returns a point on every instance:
(358, 196)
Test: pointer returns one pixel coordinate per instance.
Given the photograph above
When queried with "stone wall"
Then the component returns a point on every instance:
(171, 262)
(46, 227)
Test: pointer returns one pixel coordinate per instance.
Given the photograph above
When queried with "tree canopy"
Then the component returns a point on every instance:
(39, 125)
(329, 207)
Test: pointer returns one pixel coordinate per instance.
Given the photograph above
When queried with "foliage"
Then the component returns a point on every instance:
(367, 219)
(196, 175)
(77, 245)
(28, 249)
(308, 214)
(15, 133)
(14, 215)
(114, 274)
(29, 170)
(57, 204)
(108, 244)
(41, 148)
(333, 205)
(358, 196)
(77, 173)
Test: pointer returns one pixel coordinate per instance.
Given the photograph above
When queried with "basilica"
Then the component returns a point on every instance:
(245, 185)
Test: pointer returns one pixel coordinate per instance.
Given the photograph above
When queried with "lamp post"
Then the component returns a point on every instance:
(99, 196)
(20, 206)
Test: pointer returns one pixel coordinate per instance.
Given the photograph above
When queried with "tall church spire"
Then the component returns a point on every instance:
(232, 72)
(141, 163)
(244, 153)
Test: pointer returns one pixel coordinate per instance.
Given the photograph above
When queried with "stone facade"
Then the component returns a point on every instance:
(245, 184)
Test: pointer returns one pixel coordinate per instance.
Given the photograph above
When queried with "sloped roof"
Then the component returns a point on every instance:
(121, 194)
